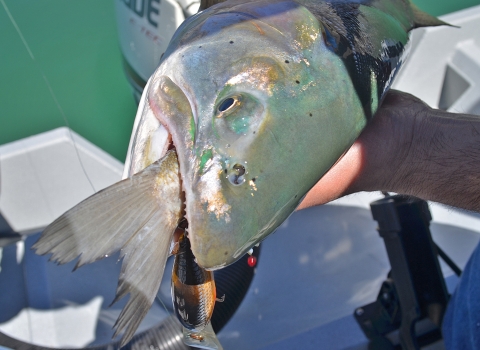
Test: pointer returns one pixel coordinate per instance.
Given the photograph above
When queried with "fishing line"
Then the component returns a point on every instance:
(157, 298)
(52, 93)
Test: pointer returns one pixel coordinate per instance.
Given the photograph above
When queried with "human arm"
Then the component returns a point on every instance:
(412, 149)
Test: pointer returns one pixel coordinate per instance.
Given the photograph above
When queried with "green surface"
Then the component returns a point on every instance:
(74, 43)
(442, 7)
(75, 46)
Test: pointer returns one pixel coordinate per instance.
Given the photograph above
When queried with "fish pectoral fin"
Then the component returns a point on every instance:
(137, 215)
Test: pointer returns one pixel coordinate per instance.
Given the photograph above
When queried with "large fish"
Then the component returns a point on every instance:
(257, 99)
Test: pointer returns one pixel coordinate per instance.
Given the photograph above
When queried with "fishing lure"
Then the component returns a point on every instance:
(193, 297)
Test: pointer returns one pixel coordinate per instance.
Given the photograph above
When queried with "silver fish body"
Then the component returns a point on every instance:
(260, 99)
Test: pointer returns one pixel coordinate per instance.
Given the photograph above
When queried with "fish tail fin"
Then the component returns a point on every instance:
(137, 216)
(205, 338)
(423, 19)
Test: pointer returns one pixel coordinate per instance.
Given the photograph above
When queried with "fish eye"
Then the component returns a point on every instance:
(228, 104)
(237, 115)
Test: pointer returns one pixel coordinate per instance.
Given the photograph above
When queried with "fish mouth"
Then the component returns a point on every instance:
(168, 104)
(192, 223)
(205, 217)
(215, 221)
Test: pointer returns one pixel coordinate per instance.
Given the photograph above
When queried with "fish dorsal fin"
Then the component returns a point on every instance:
(205, 4)
(423, 19)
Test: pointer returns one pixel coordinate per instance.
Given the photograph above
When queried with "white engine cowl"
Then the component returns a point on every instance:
(145, 28)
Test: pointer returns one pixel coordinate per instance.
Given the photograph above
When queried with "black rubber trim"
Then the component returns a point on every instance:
(137, 82)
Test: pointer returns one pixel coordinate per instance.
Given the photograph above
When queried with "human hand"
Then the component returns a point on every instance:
(375, 160)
